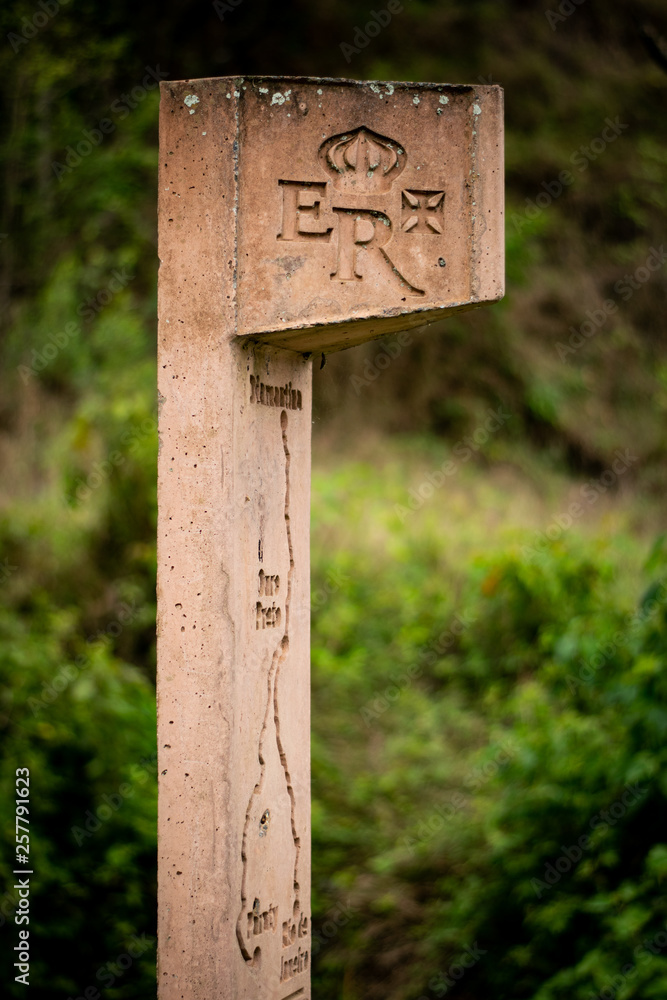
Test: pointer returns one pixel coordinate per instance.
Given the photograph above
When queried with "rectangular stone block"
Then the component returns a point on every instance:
(361, 208)
(295, 216)
(233, 599)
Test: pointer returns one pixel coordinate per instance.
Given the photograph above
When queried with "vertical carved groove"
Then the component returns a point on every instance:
(278, 658)
(283, 757)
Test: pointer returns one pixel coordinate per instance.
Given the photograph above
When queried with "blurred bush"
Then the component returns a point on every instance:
(482, 700)
(489, 762)
(480, 705)
(83, 723)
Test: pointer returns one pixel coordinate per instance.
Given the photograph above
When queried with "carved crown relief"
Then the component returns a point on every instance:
(361, 161)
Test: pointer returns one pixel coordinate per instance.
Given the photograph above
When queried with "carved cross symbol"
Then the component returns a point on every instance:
(422, 211)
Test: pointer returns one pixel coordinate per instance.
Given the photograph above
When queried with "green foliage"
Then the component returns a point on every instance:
(480, 701)
(471, 727)
(83, 723)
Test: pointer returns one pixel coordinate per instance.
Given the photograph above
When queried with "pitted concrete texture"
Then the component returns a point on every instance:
(296, 216)
(233, 600)
(362, 208)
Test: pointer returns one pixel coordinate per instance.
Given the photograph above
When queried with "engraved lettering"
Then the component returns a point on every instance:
(357, 229)
(365, 230)
(260, 846)
(267, 617)
(283, 396)
(268, 585)
(296, 928)
(301, 211)
(291, 967)
(360, 162)
(261, 923)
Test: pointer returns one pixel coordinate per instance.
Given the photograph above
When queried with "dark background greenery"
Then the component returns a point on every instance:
(501, 716)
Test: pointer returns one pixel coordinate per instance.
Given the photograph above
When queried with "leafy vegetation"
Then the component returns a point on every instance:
(488, 753)
(488, 654)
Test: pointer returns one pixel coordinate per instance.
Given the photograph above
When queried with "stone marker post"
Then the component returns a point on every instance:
(297, 216)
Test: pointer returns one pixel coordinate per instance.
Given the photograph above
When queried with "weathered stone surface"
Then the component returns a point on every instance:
(363, 208)
(233, 603)
(295, 216)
